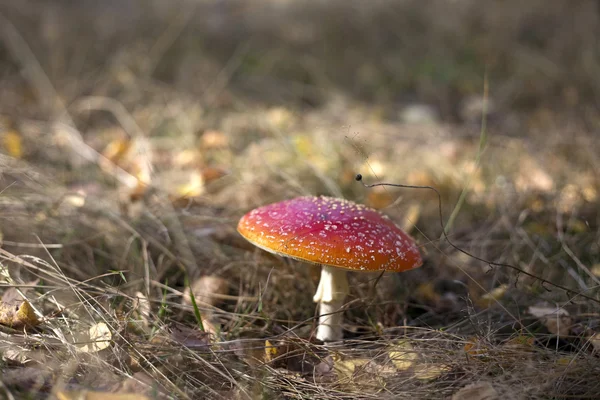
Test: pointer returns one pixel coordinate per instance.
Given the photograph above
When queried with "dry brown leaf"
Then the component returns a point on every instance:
(475, 347)
(210, 174)
(89, 395)
(556, 320)
(476, 391)
(142, 309)
(207, 289)
(521, 343)
(98, 338)
(595, 342)
(212, 139)
(144, 384)
(190, 337)
(18, 316)
(11, 296)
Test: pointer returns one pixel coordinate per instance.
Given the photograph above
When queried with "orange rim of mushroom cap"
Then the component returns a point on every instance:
(329, 231)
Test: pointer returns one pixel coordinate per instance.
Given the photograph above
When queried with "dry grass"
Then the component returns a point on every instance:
(131, 149)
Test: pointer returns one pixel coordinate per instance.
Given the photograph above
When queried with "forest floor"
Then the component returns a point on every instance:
(132, 143)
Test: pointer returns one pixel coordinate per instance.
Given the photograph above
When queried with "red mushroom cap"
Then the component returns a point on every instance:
(329, 231)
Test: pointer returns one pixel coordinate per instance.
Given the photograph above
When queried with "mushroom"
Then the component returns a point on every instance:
(337, 234)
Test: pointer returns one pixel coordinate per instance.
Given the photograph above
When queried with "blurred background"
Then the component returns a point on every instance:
(134, 135)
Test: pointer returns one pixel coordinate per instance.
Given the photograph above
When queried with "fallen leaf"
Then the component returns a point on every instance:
(532, 177)
(556, 320)
(345, 369)
(566, 361)
(492, 297)
(207, 289)
(26, 378)
(13, 143)
(142, 311)
(18, 316)
(270, 351)
(595, 342)
(187, 158)
(143, 384)
(116, 150)
(212, 139)
(425, 293)
(280, 117)
(361, 374)
(476, 347)
(194, 187)
(99, 338)
(429, 372)
(89, 395)
(521, 343)
(403, 355)
(10, 296)
(210, 174)
(190, 337)
(476, 391)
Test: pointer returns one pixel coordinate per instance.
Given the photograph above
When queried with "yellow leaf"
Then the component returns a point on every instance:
(88, 395)
(99, 337)
(194, 187)
(19, 317)
(116, 150)
(403, 355)
(492, 296)
(346, 368)
(270, 351)
(431, 371)
(13, 144)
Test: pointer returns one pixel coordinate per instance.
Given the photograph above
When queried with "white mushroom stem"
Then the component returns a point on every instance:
(331, 293)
